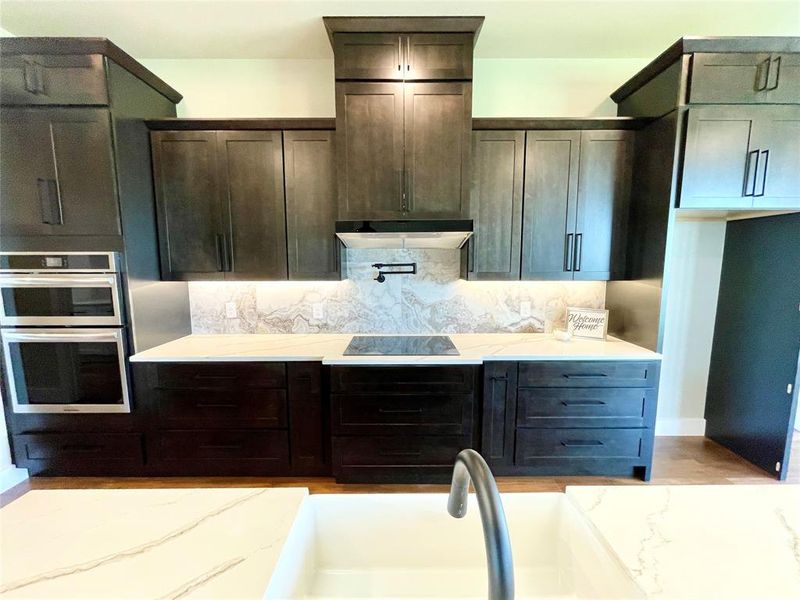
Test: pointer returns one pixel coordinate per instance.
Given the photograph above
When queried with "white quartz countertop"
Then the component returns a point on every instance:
(474, 348)
(702, 542)
(144, 543)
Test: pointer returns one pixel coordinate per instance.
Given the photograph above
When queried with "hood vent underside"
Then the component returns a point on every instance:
(447, 234)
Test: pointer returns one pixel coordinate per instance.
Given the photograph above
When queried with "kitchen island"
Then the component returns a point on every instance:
(672, 542)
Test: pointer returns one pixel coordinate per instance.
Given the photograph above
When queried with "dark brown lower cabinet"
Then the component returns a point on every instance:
(570, 417)
(233, 418)
(401, 424)
(50, 454)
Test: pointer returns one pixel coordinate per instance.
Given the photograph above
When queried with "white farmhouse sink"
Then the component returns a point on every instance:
(407, 546)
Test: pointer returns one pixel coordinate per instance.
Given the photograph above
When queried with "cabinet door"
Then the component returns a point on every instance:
(437, 56)
(438, 128)
(311, 204)
(498, 159)
(368, 56)
(254, 214)
(549, 203)
(191, 241)
(776, 136)
(499, 413)
(604, 187)
(718, 165)
(729, 78)
(58, 166)
(369, 132)
(784, 79)
(53, 79)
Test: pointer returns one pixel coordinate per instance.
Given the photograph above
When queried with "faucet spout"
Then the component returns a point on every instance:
(471, 466)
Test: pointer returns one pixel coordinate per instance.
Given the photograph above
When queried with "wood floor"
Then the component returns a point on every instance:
(677, 461)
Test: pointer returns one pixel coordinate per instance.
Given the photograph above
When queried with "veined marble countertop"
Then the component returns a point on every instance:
(144, 543)
(474, 348)
(702, 542)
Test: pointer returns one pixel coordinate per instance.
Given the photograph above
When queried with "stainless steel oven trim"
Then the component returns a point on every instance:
(10, 336)
(113, 266)
(52, 279)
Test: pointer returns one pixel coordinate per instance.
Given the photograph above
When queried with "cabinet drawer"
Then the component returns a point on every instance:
(536, 444)
(223, 446)
(426, 380)
(398, 451)
(588, 374)
(210, 409)
(745, 78)
(228, 376)
(53, 79)
(586, 407)
(395, 413)
(85, 453)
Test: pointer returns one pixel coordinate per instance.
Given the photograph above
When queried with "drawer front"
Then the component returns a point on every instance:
(425, 380)
(536, 444)
(89, 453)
(588, 374)
(730, 78)
(53, 79)
(211, 409)
(395, 413)
(397, 451)
(224, 446)
(586, 407)
(227, 376)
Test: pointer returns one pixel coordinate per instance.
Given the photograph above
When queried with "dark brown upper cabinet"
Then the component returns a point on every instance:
(745, 78)
(254, 217)
(57, 172)
(53, 79)
(310, 175)
(576, 202)
(601, 220)
(403, 149)
(550, 199)
(191, 234)
(220, 202)
(437, 135)
(73, 146)
(403, 57)
(498, 159)
(739, 157)
(369, 136)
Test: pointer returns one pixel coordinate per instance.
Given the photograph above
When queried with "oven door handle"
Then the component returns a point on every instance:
(104, 281)
(43, 337)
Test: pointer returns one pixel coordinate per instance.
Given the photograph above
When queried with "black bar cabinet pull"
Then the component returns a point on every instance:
(763, 175)
(220, 260)
(581, 443)
(777, 74)
(578, 251)
(386, 453)
(408, 53)
(399, 53)
(50, 201)
(750, 167)
(400, 411)
(34, 83)
(583, 403)
(583, 375)
(762, 74)
(568, 247)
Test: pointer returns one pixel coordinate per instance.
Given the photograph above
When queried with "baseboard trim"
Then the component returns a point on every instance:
(673, 427)
(12, 476)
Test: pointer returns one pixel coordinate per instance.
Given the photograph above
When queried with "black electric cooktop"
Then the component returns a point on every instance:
(401, 345)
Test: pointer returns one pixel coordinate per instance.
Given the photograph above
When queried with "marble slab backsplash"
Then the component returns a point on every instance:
(434, 300)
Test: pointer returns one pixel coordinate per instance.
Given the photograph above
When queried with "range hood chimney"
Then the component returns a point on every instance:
(419, 233)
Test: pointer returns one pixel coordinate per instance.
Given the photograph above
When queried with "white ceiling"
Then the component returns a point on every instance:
(293, 28)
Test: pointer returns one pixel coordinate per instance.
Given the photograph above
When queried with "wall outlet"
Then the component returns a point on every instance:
(525, 308)
(230, 310)
(318, 310)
